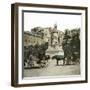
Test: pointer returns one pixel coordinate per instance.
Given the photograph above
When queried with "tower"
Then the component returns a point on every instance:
(54, 37)
(55, 26)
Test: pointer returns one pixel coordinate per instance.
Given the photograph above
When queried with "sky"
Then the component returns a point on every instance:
(63, 21)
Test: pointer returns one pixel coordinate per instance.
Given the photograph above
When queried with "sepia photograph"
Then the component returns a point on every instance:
(51, 43)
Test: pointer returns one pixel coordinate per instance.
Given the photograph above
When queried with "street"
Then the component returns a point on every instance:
(53, 70)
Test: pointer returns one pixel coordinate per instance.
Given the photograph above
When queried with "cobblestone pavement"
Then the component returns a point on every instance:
(53, 70)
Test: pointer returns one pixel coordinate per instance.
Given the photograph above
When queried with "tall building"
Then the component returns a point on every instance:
(54, 36)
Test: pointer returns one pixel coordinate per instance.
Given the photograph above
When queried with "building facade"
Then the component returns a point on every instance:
(32, 39)
(39, 35)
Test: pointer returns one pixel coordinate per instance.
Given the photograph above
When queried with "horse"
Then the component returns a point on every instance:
(59, 58)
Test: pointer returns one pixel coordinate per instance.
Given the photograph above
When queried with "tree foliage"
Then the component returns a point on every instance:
(38, 51)
(71, 43)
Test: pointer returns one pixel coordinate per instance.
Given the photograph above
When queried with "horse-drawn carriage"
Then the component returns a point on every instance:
(34, 62)
(35, 56)
(71, 49)
(68, 59)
